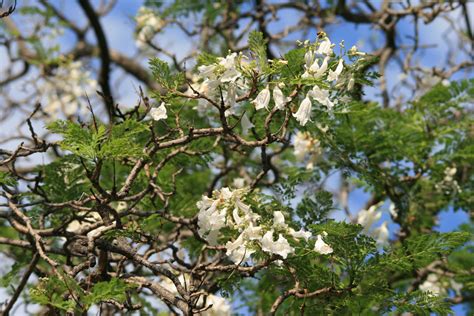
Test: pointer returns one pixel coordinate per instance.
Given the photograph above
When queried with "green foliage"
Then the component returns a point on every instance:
(418, 251)
(115, 289)
(164, 76)
(121, 141)
(64, 179)
(258, 48)
(294, 68)
(206, 59)
(67, 295)
(398, 155)
(420, 303)
(7, 179)
(62, 293)
(14, 274)
(210, 9)
(315, 210)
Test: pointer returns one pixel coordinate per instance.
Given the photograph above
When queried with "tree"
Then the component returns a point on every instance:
(220, 185)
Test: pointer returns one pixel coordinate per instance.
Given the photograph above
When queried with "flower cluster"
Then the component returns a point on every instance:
(220, 306)
(367, 218)
(263, 98)
(227, 209)
(435, 285)
(148, 24)
(66, 88)
(306, 146)
(229, 79)
(224, 76)
(317, 60)
(449, 184)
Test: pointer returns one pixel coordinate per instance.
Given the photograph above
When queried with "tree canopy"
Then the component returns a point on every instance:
(229, 185)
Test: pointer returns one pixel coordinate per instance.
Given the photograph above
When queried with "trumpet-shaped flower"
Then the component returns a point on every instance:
(279, 220)
(321, 247)
(300, 234)
(246, 124)
(316, 71)
(231, 73)
(368, 217)
(263, 99)
(280, 247)
(350, 84)
(334, 75)
(279, 98)
(381, 234)
(322, 96)
(325, 47)
(309, 58)
(230, 100)
(303, 115)
(236, 250)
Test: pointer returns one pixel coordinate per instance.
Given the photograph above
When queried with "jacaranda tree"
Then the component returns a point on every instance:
(214, 193)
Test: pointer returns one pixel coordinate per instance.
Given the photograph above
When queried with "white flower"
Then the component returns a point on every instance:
(230, 99)
(315, 70)
(252, 232)
(300, 234)
(368, 217)
(393, 210)
(231, 73)
(303, 115)
(148, 24)
(238, 251)
(211, 221)
(279, 99)
(210, 218)
(308, 58)
(325, 47)
(220, 306)
(353, 50)
(263, 99)
(207, 71)
(241, 205)
(381, 234)
(87, 219)
(239, 183)
(432, 285)
(279, 219)
(304, 144)
(246, 124)
(456, 286)
(334, 75)
(212, 237)
(350, 84)
(322, 96)
(225, 70)
(235, 215)
(159, 113)
(449, 173)
(66, 88)
(245, 209)
(321, 247)
(280, 247)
